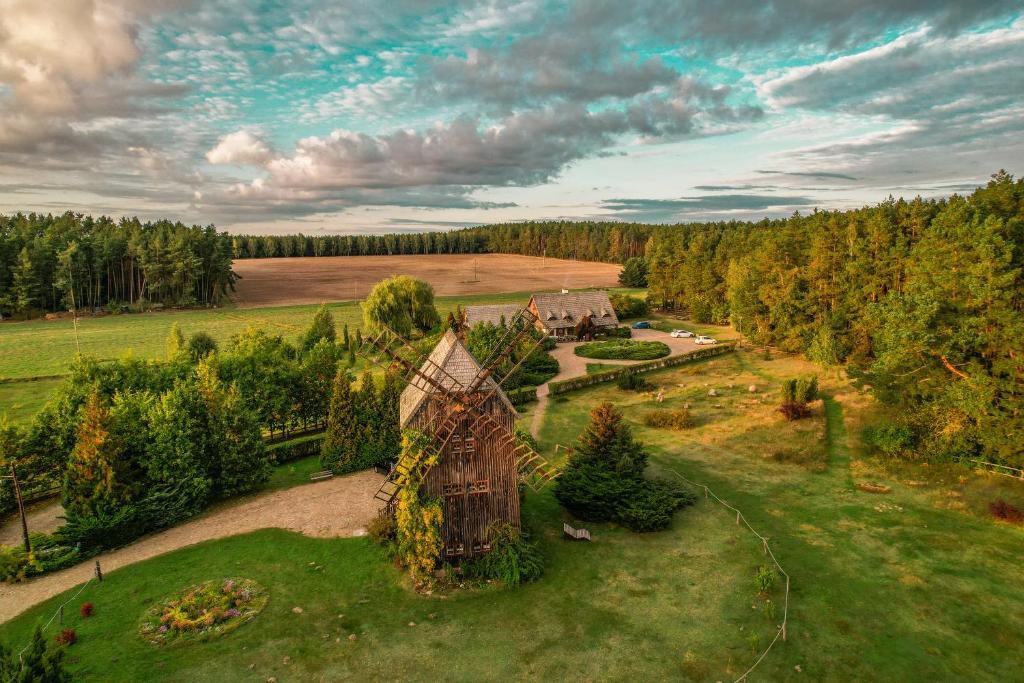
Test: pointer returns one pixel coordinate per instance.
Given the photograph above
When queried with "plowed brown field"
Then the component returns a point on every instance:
(309, 280)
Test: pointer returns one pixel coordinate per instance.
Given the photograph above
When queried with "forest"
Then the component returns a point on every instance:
(72, 261)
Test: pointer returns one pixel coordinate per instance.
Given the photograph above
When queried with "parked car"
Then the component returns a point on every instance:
(704, 340)
(681, 334)
(641, 325)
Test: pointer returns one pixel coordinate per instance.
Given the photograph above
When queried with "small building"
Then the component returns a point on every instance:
(490, 314)
(559, 313)
(476, 476)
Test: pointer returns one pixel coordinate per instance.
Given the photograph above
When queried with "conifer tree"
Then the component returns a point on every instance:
(346, 341)
(25, 289)
(321, 327)
(341, 441)
(368, 415)
(39, 663)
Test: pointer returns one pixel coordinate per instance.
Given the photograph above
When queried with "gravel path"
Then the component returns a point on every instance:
(341, 506)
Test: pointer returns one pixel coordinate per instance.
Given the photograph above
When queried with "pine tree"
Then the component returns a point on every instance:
(370, 420)
(340, 446)
(634, 272)
(25, 288)
(40, 662)
(321, 327)
(346, 341)
(91, 483)
(609, 439)
(351, 356)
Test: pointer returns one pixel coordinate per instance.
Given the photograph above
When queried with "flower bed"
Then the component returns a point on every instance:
(623, 349)
(205, 611)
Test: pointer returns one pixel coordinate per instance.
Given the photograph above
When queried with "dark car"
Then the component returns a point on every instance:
(641, 325)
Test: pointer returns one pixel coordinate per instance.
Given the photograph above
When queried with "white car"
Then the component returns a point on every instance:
(681, 334)
(704, 340)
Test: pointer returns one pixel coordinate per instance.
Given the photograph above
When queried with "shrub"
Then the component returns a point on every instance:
(40, 661)
(765, 578)
(796, 395)
(678, 419)
(623, 349)
(16, 565)
(86, 610)
(622, 332)
(522, 395)
(66, 637)
(891, 439)
(1006, 512)
(633, 382)
(381, 529)
(512, 559)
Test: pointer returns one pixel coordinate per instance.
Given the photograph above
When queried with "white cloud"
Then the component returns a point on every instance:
(242, 148)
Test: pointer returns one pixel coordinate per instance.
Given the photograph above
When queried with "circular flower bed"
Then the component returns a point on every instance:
(623, 349)
(205, 611)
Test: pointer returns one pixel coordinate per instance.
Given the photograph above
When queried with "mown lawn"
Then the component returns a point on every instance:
(916, 584)
(626, 606)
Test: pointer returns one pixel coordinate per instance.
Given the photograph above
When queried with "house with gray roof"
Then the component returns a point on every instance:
(558, 313)
(490, 314)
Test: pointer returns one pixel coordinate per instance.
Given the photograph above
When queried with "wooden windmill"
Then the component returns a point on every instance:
(459, 404)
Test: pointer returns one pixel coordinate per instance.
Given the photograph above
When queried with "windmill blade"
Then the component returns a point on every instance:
(534, 469)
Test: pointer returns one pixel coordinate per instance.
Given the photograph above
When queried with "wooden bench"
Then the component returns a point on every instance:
(318, 476)
(576, 534)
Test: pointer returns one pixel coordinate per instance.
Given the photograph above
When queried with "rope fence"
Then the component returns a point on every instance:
(96, 577)
(781, 633)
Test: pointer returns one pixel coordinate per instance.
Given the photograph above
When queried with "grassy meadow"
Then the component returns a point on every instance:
(914, 584)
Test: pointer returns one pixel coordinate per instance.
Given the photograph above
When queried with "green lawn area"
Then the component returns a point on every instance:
(917, 584)
(624, 606)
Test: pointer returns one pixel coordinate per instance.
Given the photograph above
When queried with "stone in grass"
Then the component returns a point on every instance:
(713, 392)
(296, 610)
(752, 388)
(412, 623)
(352, 636)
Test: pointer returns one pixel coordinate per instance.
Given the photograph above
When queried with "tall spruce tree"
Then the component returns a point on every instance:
(321, 327)
(340, 446)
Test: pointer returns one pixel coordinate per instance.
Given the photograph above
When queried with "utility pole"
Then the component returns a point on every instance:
(21, 508)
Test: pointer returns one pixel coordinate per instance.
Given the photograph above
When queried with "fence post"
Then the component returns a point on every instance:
(99, 572)
(61, 615)
(737, 517)
(765, 543)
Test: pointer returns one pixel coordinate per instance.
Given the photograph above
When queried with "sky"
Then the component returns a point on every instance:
(346, 116)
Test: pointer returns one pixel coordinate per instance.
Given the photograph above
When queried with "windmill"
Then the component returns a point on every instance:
(458, 403)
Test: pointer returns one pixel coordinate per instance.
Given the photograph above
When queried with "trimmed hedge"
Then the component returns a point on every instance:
(575, 383)
(623, 349)
(522, 395)
(302, 447)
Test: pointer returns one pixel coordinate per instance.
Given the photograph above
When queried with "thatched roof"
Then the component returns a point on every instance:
(451, 366)
(491, 314)
(565, 310)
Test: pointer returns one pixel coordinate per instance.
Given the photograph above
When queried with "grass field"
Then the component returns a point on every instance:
(45, 348)
(915, 584)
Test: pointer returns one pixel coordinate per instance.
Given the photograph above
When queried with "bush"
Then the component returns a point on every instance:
(66, 637)
(522, 395)
(796, 395)
(651, 506)
(86, 610)
(891, 439)
(381, 530)
(765, 578)
(623, 349)
(302, 447)
(678, 419)
(16, 565)
(1006, 512)
(633, 383)
(622, 332)
(512, 560)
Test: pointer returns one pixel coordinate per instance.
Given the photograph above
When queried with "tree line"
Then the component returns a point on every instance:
(73, 261)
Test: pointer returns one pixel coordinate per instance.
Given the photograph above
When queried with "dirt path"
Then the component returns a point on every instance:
(42, 516)
(337, 507)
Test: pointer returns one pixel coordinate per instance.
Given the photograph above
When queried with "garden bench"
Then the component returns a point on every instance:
(318, 476)
(576, 534)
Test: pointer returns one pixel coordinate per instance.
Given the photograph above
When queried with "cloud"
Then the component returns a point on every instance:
(240, 147)
(819, 175)
(703, 206)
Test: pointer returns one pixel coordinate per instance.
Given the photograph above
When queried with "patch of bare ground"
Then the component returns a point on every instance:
(310, 280)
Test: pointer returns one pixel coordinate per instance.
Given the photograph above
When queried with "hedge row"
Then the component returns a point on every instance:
(301, 447)
(574, 383)
(522, 395)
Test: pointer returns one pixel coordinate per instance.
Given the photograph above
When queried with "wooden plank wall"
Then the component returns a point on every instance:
(468, 512)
